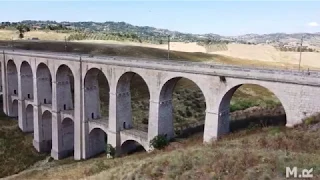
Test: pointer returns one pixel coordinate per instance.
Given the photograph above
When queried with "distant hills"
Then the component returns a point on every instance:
(148, 33)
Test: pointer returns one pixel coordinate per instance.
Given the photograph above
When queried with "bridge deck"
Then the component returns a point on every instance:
(206, 68)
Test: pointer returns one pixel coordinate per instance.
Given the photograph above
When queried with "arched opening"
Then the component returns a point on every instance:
(12, 76)
(98, 141)
(44, 84)
(68, 135)
(29, 117)
(46, 130)
(130, 147)
(65, 91)
(14, 110)
(96, 95)
(249, 105)
(26, 80)
(182, 106)
(132, 102)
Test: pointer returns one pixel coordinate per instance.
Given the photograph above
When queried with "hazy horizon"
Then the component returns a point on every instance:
(223, 18)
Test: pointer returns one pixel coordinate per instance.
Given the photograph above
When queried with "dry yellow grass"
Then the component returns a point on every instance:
(253, 154)
(268, 53)
(42, 35)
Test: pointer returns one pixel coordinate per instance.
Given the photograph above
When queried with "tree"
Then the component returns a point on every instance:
(21, 30)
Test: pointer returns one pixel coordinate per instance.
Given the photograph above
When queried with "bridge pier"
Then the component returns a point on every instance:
(42, 134)
(216, 125)
(160, 118)
(57, 151)
(4, 86)
(23, 119)
(115, 118)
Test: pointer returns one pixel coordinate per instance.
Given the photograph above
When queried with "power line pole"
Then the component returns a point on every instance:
(65, 43)
(168, 47)
(300, 52)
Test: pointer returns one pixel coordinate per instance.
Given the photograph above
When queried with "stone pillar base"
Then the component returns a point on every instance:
(43, 146)
(290, 125)
(60, 155)
(27, 130)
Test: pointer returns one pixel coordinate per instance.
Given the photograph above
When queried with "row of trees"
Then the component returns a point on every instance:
(297, 49)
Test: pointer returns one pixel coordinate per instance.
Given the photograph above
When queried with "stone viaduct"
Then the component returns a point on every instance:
(36, 88)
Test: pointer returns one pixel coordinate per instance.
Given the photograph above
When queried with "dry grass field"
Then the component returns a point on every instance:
(264, 54)
(42, 35)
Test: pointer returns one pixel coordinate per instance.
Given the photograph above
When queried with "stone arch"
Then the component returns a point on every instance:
(44, 84)
(67, 126)
(26, 80)
(124, 100)
(12, 76)
(46, 130)
(29, 117)
(130, 146)
(224, 106)
(93, 98)
(14, 109)
(97, 141)
(165, 111)
(65, 85)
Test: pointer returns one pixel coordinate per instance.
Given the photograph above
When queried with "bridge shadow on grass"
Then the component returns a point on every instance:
(267, 118)
(257, 122)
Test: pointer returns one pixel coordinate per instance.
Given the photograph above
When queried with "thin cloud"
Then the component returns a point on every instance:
(313, 24)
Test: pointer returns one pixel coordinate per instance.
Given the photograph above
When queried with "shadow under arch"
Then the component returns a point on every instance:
(44, 84)
(67, 136)
(14, 109)
(133, 94)
(46, 130)
(131, 146)
(12, 76)
(224, 125)
(65, 91)
(96, 94)
(98, 141)
(166, 106)
(29, 117)
(26, 80)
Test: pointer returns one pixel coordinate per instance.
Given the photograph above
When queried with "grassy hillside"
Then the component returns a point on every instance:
(261, 153)
(16, 150)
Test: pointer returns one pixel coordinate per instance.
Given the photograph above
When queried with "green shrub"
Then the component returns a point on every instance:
(110, 150)
(159, 142)
(187, 103)
(242, 105)
(180, 113)
(188, 112)
(311, 120)
(145, 121)
(274, 130)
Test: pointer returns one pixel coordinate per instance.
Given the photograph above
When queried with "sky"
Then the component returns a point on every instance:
(219, 17)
